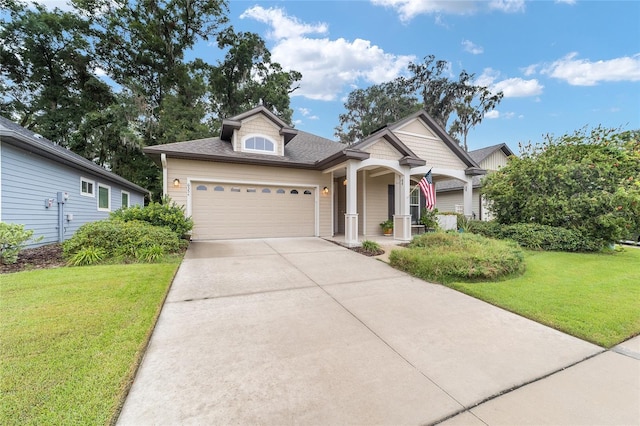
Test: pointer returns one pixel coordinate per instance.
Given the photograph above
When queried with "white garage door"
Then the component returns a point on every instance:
(224, 211)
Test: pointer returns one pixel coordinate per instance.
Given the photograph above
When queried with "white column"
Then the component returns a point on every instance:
(402, 218)
(351, 216)
(468, 197)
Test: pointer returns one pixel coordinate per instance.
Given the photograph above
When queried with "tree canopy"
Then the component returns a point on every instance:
(429, 87)
(56, 65)
(586, 181)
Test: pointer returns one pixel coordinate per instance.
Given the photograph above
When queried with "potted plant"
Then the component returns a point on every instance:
(387, 227)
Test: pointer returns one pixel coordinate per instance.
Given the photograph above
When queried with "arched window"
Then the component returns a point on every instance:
(259, 144)
(307, 192)
(201, 188)
(266, 191)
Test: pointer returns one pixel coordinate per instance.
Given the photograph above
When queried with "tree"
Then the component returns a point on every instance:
(469, 114)
(247, 78)
(369, 109)
(586, 181)
(47, 77)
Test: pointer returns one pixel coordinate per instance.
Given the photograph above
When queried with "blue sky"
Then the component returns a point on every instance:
(562, 65)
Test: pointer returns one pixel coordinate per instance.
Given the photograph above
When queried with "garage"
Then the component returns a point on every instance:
(230, 210)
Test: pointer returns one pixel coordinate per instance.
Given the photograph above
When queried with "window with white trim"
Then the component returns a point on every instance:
(104, 197)
(125, 200)
(87, 187)
(260, 144)
(414, 206)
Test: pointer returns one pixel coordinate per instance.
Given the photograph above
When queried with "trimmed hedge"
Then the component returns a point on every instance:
(536, 237)
(446, 257)
(108, 240)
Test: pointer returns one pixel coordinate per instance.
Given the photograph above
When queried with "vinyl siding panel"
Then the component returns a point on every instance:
(446, 201)
(495, 161)
(212, 171)
(377, 202)
(433, 151)
(383, 150)
(28, 179)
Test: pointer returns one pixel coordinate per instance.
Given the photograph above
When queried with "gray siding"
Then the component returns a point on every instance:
(28, 180)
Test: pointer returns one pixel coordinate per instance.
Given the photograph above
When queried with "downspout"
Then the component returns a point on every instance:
(163, 160)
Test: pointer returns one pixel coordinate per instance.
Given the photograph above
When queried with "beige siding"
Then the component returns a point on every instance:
(211, 171)
(259, 125)
(446, 201)
(494, 161)
(417, 127)
(383, 150)
(360, 202)
(377, 202)
(433, 151)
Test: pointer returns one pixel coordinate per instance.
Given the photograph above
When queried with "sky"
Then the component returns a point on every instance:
(562, 65)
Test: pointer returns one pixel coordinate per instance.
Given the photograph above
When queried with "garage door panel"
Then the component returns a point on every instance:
(250, 212)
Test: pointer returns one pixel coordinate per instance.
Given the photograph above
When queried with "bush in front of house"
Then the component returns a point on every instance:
(13, 238)
(446, 257)
(537, 237)
(117, 240)
(166, 213)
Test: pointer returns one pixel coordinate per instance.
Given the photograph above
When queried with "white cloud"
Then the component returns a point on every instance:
(507, 6)
(282, 25)
(530, 70)
(52, 4)
(327, 66)
(569, 2)
(582, 72)
(472, 48)
(494, 113)
(511, 87)
(306, 113)
(409, 9)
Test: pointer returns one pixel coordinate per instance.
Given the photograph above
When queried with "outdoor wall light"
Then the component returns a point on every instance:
(176, 183)
(325, 190)
(344, 182)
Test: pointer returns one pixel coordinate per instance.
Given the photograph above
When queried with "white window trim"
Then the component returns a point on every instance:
(93, 185)
(101, 185)
(258, 151)
(128, 198)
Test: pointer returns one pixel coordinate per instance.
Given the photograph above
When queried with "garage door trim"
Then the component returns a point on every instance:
(316, 188)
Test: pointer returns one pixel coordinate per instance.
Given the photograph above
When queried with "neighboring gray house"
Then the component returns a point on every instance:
(52, 190)
(449, 193)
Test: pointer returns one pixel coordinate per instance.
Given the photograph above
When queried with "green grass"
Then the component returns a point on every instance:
(71, 339)
(595, 297)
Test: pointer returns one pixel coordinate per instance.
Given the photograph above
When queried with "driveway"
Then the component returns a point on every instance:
(303, 331)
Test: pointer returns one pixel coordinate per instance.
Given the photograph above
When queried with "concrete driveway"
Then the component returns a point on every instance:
(303, 331)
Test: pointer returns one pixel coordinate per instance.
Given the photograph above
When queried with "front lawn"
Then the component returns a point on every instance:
(595, 297)
(71, 339)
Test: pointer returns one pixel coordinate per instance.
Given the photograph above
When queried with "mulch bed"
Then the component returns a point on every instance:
(44, 257)
(367, 252)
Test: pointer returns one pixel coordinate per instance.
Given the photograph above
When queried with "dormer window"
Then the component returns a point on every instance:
(259, 144)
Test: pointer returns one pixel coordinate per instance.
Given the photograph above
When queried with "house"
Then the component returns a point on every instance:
(262, 178)
(52, 190)
(450, 192)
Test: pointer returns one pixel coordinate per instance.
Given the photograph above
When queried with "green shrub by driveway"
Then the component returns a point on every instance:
(116, 240)
(72, 338)
(445, 257)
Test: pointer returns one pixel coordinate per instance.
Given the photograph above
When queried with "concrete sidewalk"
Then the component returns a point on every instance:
(302, 331)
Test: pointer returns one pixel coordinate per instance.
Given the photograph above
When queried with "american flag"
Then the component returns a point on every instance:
(429, 190)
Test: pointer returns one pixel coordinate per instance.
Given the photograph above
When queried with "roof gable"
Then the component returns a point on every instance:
(234, 123)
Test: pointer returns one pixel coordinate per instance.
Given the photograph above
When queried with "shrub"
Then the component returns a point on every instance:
(150, 254)
(125, 240)
(371, 246)
(87, 256)
(12, 239)
(538, 237)
(428, 218)
(167, 213)
(446, 257)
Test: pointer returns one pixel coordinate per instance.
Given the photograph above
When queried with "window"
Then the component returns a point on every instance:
(235, 189)
(125, 199)
(104, 197)
(86, 187)
(294, 191)
(201, 188)
(414, 206)
(259, 144)
(280, 191)
(307, 192)
(266, 191)
(218, 188)
(251, 190)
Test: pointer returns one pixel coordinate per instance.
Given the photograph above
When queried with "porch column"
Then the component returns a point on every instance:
(402, 218)
(351, 216)
(468, 197)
